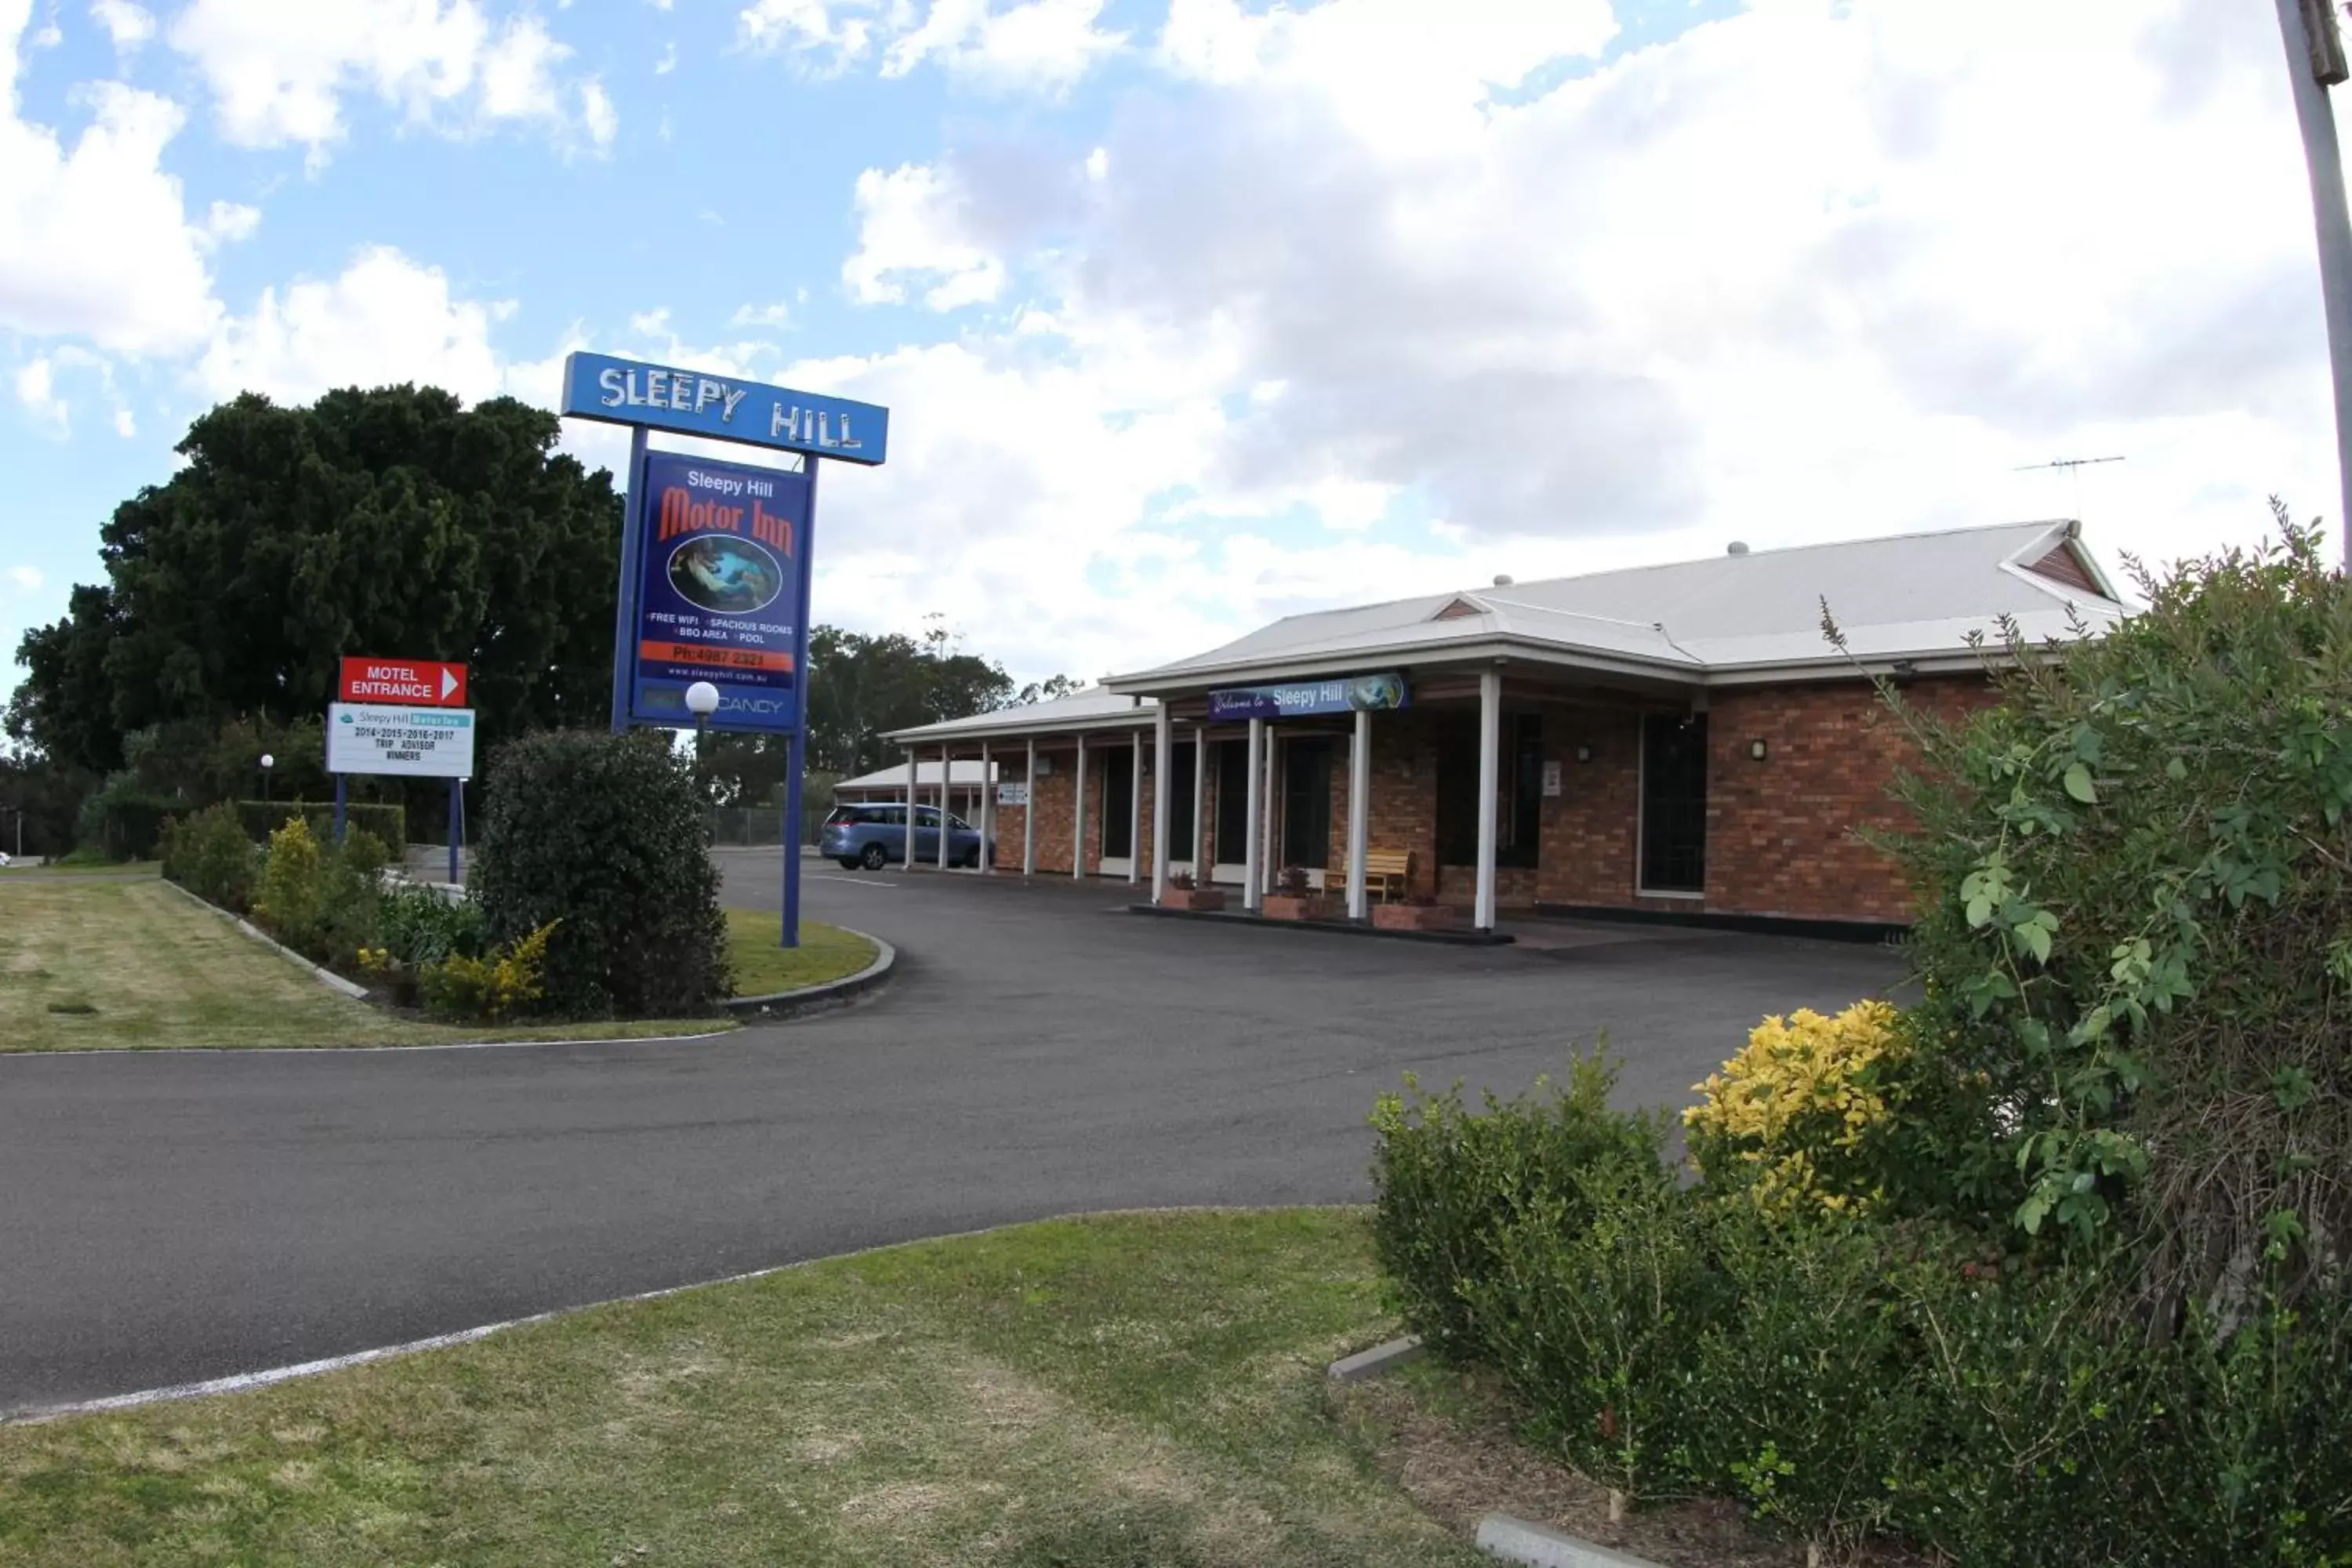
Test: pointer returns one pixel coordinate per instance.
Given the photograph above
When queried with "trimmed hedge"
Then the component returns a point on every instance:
(260, 818)
(603, 834)
(123, 822)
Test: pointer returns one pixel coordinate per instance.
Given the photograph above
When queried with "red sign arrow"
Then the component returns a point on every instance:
(421, 682)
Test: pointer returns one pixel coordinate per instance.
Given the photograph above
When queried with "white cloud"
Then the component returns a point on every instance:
(384, 318)
(127, 24)
(597, 114)
(775, 315)
(280, 70)
(27, 579)
(668, 61)
(95, 238)
(909, 225)
(37, 389)
(1045, 45)
(1031, 45)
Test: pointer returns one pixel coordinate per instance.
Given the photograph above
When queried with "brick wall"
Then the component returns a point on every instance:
(1780, 832)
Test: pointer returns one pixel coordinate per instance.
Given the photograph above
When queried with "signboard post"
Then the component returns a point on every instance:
(715, 557)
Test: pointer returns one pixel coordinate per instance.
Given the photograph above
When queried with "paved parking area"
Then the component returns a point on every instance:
(174, 1216)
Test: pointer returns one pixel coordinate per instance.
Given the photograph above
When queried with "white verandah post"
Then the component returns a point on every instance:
(1490, 744)
(1359, 790)
(1163, 744)
(1253, 839)
(987, 812)
(946, 771)
(1078, 816)
(1200, 799)
(907, 860)
(1029, 814)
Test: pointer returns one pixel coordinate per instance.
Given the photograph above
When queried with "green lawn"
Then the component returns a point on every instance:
(762, 968)
(1138, 1391)
(127, 961)
(83, 868)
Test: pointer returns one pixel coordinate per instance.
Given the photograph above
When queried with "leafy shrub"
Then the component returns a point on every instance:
(261, 819)
(209, 855)
(123, 820)
(417, 926)
(487, 990)
(1593, 1299)
(2134, 889)
(1803, 1386)
(1804, 1106)
(321, 900)
(1446, 1179)
(605, 834)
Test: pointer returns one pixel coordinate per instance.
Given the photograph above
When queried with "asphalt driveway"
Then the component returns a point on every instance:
(166, 1217)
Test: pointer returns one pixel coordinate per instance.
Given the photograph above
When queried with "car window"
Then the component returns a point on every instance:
(892, 816)
(959, 824)
(930, 816)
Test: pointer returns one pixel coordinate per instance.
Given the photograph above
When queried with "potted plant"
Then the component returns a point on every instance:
(1293, 899)
(1184, 893)
(1419, 912)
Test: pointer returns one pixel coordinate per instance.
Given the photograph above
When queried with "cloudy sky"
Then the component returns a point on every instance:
(1195, 312)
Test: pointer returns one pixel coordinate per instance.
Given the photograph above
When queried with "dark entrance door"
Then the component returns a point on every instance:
(1307, 803)
(1184, 759)
(1674, 803)
(1118, 804)
(1233, 802)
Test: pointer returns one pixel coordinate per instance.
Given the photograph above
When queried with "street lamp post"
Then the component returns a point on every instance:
(267, 762)
(2315, 62)
(702, 702)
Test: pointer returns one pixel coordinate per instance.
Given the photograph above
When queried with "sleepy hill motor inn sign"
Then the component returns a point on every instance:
(715, 556)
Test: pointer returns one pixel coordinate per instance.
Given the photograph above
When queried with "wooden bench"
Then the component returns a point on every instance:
(1388, 873)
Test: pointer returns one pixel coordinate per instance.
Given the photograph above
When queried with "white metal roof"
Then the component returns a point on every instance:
(1911, 596)
(965, 774)
(1727, 619)
(1092, 708)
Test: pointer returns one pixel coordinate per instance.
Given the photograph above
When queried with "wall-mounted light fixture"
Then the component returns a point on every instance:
(1757, 748)
(1584, 753)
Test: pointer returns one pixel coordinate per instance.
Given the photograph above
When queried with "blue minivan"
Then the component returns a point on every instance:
(876, 835)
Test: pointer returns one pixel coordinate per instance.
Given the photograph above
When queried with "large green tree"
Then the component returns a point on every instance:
(394, 522)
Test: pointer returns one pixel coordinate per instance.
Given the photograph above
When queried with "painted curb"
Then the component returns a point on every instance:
(1335, 928)
(1540, 1546)
(1379, 1359)
(823, 998)
(325, 977)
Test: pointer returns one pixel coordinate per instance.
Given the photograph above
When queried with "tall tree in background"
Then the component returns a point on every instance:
(394, 522)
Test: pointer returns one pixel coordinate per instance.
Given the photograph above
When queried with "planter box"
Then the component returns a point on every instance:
(1306, 907)
(1205, 900)
(1415, 917)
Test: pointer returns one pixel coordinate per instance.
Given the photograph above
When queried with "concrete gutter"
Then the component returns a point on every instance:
(325, 977)
(1540, 1546)
(1379, 1359)
(822, 998)
(1453, 938)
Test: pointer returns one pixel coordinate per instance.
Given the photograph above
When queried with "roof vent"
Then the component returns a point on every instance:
(1736, 547)
(1502, 579)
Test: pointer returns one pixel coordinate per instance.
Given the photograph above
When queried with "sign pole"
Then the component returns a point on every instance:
(456, 809)
(343, 792)
(797, 741)
(625, 605)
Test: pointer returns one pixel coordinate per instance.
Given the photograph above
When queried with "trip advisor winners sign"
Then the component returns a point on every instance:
(411, 740)
(721, 559)
(427, 682)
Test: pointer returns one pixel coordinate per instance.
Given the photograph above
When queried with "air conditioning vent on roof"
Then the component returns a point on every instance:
(1502, 579)
(1736, 547)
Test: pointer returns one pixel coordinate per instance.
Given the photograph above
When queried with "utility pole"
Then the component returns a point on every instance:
(2315, 62)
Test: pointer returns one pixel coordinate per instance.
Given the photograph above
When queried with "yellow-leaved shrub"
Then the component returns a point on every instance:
(1795, 1112)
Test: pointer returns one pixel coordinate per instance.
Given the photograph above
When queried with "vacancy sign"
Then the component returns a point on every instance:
(414, 742)
(424, 681)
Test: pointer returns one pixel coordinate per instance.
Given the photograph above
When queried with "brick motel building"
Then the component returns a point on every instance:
(1679, 739)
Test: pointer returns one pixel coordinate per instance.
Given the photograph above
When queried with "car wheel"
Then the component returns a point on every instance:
(849, 862)
(875, 857)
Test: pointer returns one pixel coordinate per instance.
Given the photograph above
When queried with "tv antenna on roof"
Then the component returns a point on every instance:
(2074, 466)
